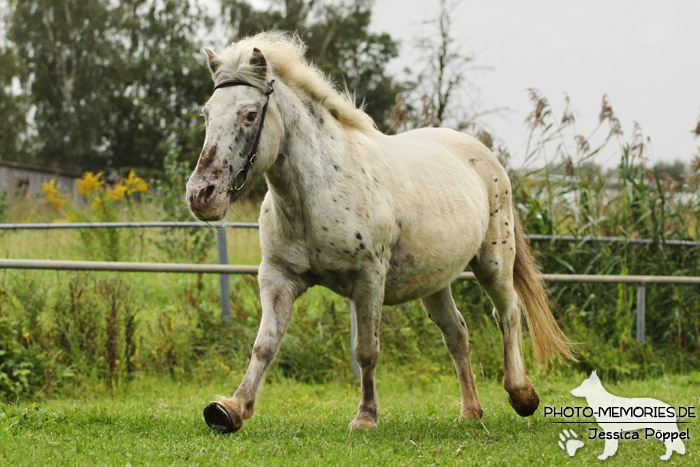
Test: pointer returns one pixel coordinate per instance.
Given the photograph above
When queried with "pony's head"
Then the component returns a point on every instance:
(238, 143)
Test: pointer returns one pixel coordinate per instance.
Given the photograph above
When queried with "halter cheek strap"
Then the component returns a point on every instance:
(242, 175)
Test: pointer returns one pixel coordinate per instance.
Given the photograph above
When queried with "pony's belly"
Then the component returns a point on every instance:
(411, 277)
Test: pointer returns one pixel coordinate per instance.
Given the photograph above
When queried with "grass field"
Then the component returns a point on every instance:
(159, 422)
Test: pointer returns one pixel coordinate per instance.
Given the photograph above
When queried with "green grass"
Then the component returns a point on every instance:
(159, 422)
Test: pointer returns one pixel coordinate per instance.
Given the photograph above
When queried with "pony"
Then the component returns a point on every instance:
(375, 218)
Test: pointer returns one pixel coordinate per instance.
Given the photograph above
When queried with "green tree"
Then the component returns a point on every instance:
(14, 106)
(112, 84)
(339, 43)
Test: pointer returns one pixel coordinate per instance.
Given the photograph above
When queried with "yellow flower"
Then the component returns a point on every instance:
(134, 183)
(97, 204)
(117, 192)
(53, 195)
(56, 202)
(89, 183)
(50, 188)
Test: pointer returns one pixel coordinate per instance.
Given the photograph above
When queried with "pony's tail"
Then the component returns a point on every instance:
(548, 340)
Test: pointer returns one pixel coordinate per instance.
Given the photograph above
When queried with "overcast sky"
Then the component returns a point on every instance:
(645, 54)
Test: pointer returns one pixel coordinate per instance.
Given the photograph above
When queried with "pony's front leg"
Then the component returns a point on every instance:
(278, 290)
(368, 298)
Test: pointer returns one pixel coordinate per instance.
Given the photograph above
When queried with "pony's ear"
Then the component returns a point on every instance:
(594, 376)
(214, 61)
(259, 64)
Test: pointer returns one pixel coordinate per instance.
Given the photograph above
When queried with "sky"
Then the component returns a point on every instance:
(644, 54)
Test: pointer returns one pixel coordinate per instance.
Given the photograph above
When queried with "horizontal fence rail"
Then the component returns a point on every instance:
(640, 281)
(120, 266)
(255, 225)
(125, 225)
(223, 268)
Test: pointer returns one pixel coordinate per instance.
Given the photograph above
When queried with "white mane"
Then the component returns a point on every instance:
(285, 57)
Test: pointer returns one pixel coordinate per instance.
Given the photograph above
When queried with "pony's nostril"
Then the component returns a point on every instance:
(206, 193)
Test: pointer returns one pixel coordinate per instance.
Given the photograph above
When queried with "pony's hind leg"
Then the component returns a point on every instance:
(441, 309)
(493, 267)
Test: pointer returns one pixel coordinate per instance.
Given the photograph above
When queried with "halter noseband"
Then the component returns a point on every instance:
(242, 174)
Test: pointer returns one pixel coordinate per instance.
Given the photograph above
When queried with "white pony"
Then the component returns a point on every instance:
(375, 218)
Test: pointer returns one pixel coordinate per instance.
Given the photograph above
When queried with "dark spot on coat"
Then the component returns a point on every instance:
(503, 242)
(334, 200)
(207, 158)
(263, 353)
(230, 169)
(325, 228)
(358, 235)
(249, 406)
(267, 209)
(318, 250)
(362, 246)
(495, 179)
(495, 211)
(493, 243)
(472, 160)
(347, 208)
(506, 223)
(347, 252)
(332, 244)
(336, 167)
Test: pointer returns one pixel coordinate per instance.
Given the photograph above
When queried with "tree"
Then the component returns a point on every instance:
(112, 84)
(14, 106)
(435, 94)
(339, 43)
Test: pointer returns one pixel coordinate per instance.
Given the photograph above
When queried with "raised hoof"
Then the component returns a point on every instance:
(525, 401)
(219, 419)
(362, 424)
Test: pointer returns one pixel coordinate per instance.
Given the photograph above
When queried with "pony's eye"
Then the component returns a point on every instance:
(251, 116)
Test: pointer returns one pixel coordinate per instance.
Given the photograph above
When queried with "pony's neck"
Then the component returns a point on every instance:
(313, 142)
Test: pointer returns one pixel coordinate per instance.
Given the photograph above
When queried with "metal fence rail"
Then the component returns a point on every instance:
(224, 269)
(255, 225)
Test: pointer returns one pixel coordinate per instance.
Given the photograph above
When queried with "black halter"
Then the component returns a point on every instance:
(242, 174)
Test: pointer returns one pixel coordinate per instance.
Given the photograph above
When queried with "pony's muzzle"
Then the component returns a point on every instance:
(206, 201)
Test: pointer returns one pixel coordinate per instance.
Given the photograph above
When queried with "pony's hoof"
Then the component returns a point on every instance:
(219, 419)
(474, 413)
(362, 423)
(525, 401)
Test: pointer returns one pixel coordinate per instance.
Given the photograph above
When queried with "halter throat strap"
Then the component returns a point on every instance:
(242, 175)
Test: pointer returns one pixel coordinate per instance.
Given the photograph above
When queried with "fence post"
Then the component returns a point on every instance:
(353, 334)
(641, 318)
(224, 288)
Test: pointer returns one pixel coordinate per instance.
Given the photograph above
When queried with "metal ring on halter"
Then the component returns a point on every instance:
(244, 172)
